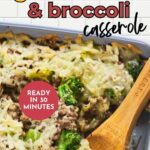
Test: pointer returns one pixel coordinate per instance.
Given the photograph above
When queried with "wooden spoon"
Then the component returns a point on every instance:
(115, 132)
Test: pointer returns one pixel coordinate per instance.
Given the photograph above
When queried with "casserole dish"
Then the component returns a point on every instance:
(142, 129)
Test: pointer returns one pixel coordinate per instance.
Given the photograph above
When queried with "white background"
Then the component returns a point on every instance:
(12, 12)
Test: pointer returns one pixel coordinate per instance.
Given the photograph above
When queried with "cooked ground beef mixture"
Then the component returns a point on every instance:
(90, 79)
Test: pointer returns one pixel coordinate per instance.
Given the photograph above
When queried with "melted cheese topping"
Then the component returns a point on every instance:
(96, 71)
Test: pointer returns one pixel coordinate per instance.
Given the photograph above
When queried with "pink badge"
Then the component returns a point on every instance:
(38, 100)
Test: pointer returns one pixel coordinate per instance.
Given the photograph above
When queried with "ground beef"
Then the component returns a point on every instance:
(67, 116)
(14, 86)
(14, 111)
(1, 90)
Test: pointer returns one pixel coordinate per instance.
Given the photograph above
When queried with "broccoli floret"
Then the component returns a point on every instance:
(31, 134)
(110, 94)
(66, 94)
(113, 97)
(69, 140)
(134, 68)
(70, 91)
(75, 85)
